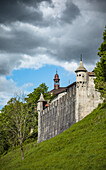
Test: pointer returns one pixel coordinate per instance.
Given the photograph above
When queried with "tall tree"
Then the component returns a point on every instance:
(100, 69)
(32, 100)
(19, 117)
(15, 118)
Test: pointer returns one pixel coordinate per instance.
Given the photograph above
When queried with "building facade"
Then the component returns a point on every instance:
(71, 104)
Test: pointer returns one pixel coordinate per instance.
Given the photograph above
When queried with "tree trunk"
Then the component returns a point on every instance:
(22, 153)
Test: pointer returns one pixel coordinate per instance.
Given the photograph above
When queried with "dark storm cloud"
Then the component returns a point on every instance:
(73, 52)
(8, 62)
(59, 36)
(70, 13)
(22, 42)
(13, 10)
(98, 5)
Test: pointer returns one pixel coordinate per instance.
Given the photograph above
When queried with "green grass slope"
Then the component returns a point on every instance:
(81, 147)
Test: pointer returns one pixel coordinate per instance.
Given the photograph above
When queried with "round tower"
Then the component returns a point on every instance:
(56, 81)
(40, 107)
(81, 91)
(81, 71)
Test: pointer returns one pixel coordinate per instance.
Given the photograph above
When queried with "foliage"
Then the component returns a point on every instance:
(19, 119)
(15, 121)
(32, 100)
(4, 138)
(100, 69)
(35, 95)
(80, 147)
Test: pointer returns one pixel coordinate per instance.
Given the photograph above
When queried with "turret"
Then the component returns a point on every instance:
(81, 71)
(40, 107)
(56, 81)
(41, 103)
(81, 91)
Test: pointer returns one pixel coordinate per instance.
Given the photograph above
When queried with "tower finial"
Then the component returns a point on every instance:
(81, 58)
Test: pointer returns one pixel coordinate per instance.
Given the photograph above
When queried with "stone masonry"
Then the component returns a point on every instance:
(68, 107)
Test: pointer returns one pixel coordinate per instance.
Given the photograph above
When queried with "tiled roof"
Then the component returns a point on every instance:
(57, 91)
(71, 85)
(91, 73)
(61, 89)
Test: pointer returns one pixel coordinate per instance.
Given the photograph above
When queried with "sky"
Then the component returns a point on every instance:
(38, 37)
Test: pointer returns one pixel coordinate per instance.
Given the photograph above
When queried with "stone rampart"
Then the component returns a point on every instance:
(59, 116)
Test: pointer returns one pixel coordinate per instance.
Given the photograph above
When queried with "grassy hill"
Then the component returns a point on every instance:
(81, 147)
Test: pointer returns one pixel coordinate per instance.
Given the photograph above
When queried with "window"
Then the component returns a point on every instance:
(82, 75)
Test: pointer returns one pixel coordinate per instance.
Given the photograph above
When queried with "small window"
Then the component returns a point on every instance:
(82, 75)
(79, 74)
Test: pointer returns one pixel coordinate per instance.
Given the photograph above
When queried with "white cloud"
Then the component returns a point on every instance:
(39, 61)
(53, 12)
(5, 27)
(9, 89)
(7, 85)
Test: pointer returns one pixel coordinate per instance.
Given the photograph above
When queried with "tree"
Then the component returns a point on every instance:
(15, 118)
(100, 69)
(4, 139)
(32, 100)
(19, 117)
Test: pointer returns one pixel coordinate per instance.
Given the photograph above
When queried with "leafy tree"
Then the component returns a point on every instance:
(15, 118)
(100, 69)
(19, 117)
(4, 139)
(32, 100)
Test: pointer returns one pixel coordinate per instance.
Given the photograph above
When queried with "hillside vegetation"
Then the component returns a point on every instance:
(81, 147)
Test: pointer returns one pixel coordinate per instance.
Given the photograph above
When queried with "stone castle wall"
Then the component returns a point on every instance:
(68, 107)
(87, 98)
(59, 116)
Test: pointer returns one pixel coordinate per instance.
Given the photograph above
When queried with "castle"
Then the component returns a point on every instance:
(70, 105)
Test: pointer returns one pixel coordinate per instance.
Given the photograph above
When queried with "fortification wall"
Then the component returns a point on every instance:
(93, 97)
(59, 116)
(87, 98)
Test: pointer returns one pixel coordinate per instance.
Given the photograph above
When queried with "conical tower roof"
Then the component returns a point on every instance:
(81, 67)
(41, 98)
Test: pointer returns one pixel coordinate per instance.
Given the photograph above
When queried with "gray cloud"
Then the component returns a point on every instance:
(70, 13)
(22, 43)
(98, 5)
(13, 10)
(8, 62)
(24, 30)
